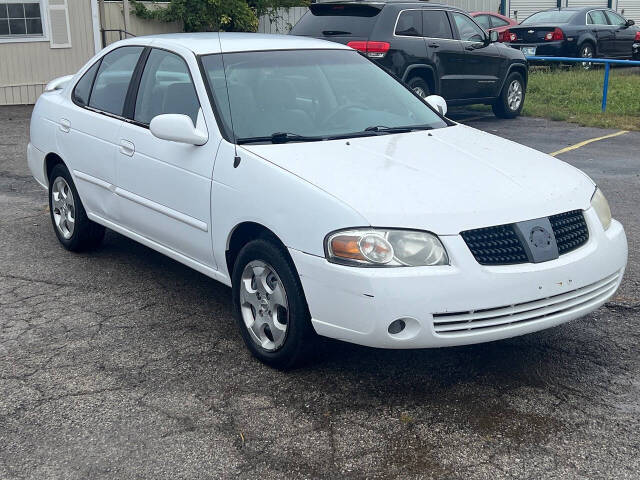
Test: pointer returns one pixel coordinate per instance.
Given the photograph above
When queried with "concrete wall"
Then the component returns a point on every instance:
(114, 20)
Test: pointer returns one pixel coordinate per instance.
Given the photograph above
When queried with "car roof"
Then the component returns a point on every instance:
(225, 42)
(395, 3)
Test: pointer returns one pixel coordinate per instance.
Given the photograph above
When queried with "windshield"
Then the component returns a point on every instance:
(310, 93)
(553, 16)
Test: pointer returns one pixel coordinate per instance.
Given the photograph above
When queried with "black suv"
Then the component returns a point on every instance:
(435, 49)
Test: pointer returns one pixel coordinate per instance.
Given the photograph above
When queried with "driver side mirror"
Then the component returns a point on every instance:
(177, 128)
(493, 36)
(630, 23)
(438, 103)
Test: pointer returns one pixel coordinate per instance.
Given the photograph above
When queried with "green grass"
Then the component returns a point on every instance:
(575, 95)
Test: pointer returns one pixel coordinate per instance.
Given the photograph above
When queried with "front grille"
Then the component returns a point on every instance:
(495, 245)
(457, 324)
(500, 245)
(570, 230)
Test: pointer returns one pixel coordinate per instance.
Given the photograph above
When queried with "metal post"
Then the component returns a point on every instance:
(605, 89)
(102, 22)
(125, 12)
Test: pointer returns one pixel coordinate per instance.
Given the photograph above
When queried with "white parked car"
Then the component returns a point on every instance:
(331, 198)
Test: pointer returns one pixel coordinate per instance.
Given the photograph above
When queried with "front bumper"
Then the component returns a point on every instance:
(357, 305)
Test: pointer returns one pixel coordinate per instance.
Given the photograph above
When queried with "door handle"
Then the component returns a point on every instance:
(127, 148)
(65, 125)
(434, 45)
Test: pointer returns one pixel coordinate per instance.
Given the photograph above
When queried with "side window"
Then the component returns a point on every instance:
(165, 87)
(468, 30)
(484, 21)
(82, 89)
(113, 78)
(409, 23)
(436, 24)
(498, 22)
(616, 19)
(597, 17)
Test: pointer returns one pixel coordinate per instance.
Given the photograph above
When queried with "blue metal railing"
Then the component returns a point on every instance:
(607, 66)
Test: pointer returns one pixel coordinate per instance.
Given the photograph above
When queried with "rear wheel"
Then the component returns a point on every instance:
(586, 51)
(511, 100)
(70, 222)
(270, 306)
(419, 86)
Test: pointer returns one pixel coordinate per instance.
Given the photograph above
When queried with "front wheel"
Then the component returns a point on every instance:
(511, 100)
(270, 307)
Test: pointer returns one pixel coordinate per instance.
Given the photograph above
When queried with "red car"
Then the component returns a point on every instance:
(494, 21)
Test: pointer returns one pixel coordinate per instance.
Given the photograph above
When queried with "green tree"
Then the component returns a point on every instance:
(215, 15)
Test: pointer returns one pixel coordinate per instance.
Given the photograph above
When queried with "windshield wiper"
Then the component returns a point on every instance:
(279, 137)
(385, 129)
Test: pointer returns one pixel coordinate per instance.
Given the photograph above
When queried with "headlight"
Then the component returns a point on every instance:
(385, 248)
(601, 206)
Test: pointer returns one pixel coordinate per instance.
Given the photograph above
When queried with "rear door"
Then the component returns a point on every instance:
(604, 32)
(88, 129)
(446, 52)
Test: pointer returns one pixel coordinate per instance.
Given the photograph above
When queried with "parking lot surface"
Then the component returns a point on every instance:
(122, 363)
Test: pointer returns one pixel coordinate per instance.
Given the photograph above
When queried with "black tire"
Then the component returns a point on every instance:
(300, 340)
(86, 233)
(586, 50)
(501, 107)
(419, 86)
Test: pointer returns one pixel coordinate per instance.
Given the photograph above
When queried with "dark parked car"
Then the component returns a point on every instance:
(434, 49)
(576, 32)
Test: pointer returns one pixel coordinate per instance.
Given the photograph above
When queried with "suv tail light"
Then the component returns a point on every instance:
(507, 36)
(557, 34)
(371, 49)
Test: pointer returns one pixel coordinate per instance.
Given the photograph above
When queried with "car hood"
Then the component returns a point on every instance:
(445, 180)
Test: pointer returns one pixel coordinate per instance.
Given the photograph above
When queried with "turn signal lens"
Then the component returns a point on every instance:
(601, 206)
(376, 247)
(637, 39)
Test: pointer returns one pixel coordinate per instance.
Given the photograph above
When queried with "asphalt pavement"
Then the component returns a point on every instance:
(123, 364)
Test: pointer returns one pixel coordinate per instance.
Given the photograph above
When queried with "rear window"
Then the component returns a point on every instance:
(326, 20)
(553, 16)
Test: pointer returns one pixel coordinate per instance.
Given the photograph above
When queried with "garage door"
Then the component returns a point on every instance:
(521, 9)
(585, 3)
(629, 9)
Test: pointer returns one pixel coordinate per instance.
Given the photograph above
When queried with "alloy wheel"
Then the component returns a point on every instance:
(263, 305)
(514, 95)
(586, 52)
(64, 207)
(420, 92)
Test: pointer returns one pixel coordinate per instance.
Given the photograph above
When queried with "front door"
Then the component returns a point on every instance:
(625, 36)
(483, 60)
(164, 187)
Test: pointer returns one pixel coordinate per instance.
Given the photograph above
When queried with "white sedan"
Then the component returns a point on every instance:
(331, 198)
